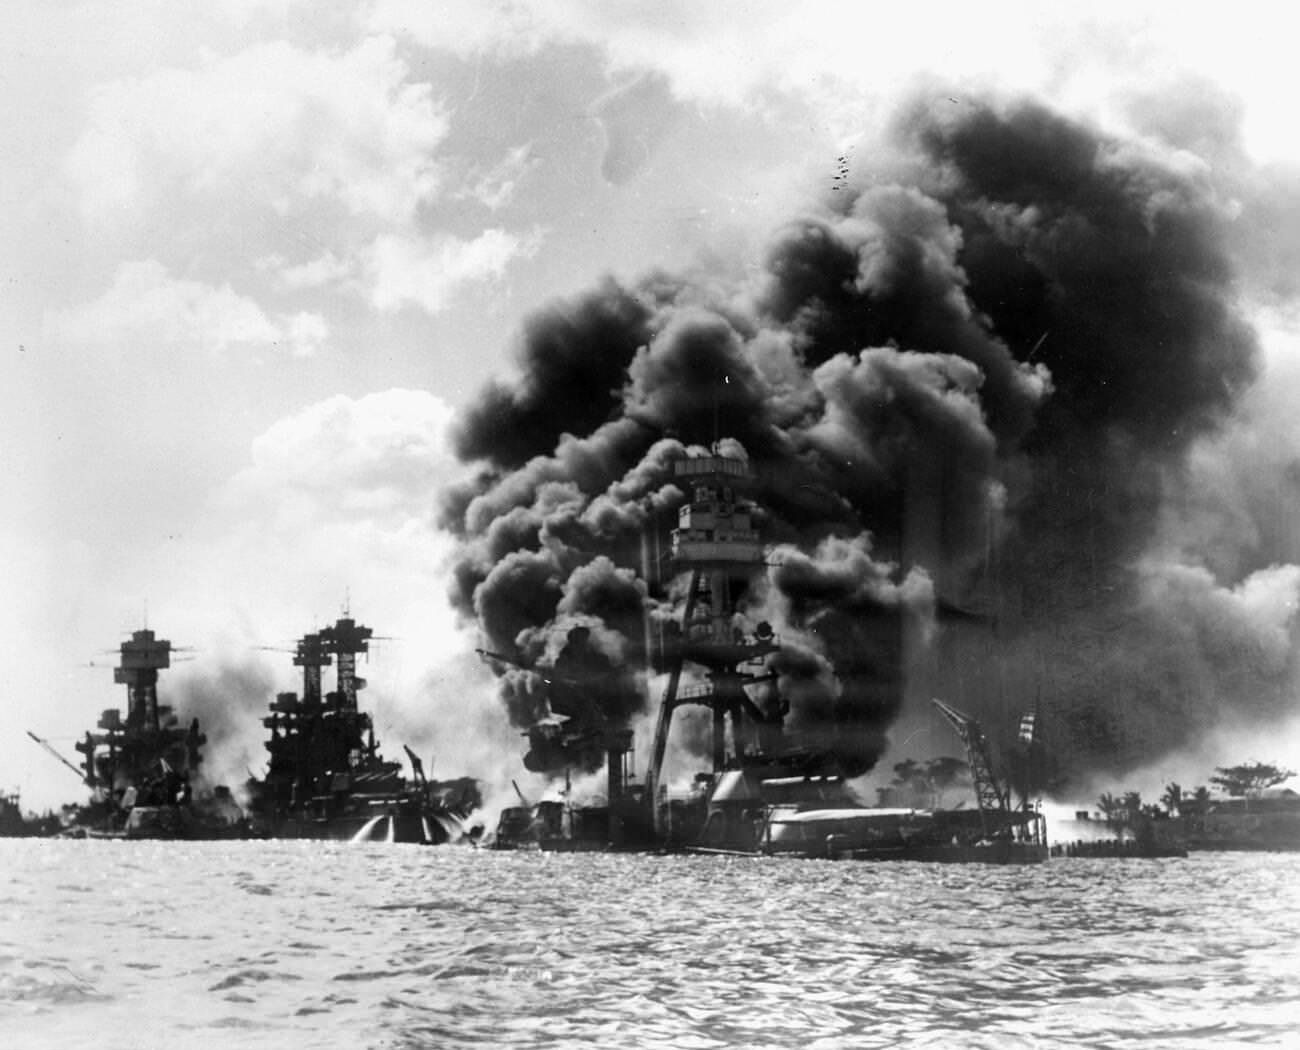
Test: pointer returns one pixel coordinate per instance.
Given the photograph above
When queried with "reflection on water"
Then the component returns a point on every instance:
(297, 944)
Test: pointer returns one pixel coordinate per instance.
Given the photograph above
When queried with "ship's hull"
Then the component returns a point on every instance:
(928, 836)
(1011, 853)
(1123, 850)
(985, 853)
(173, 822)
(366, 820)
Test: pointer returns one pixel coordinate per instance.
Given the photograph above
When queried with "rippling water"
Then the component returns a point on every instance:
(296, 945)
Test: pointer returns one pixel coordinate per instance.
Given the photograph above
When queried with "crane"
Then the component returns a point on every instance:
(990, 794)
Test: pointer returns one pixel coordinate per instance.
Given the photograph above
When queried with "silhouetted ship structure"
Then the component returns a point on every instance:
(17, 824)
(765, 794)
(143, 769)
(325, 776)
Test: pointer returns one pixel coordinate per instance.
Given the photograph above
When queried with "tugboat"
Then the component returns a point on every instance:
(143, 769)
(326, 778)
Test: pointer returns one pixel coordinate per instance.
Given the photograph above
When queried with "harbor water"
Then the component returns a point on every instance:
(116, 946)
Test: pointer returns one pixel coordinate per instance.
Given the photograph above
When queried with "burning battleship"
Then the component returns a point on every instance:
(768, 790)
(994, 371)
(144, 770)
(326, 778)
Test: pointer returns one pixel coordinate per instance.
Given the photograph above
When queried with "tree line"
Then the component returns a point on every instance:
(1248, 780)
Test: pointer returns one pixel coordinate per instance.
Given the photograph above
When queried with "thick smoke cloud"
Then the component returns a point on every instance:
(229, 703)
(968, 382)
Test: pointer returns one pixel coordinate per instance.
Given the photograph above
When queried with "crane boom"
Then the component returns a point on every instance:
(990, 795)
(50, 748)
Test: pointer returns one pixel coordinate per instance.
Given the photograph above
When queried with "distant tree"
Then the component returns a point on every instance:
(910, 787)
(1131, 804)
(1250, 779)
(945, 772)
(908, 772)
(1194, 807)
(1111, 808)
(1172, 799)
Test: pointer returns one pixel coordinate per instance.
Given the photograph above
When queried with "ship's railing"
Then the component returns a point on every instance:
(698, 465)
(693, 694)
(728, 552)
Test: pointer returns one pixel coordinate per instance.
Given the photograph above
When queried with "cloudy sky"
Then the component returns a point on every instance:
(255, 255)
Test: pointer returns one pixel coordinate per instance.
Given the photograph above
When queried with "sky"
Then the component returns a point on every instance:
(255, 258)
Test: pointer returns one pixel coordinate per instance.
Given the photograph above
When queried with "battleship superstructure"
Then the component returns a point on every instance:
(326, 778)
(718, 546)
(143, 769)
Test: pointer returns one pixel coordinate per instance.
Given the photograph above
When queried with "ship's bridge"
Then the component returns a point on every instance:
(715, 527)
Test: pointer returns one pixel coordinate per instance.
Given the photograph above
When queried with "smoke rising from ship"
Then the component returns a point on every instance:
(969, 379)
(229, 702)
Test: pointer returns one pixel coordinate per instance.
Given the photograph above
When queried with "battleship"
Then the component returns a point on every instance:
(326, 778)
(143, 769)
(767, 793)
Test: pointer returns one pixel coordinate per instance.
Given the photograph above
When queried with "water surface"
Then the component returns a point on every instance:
(335, 945)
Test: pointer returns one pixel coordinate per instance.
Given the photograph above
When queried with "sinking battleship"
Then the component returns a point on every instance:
(326, 778)
(767, 793)
(144, 769)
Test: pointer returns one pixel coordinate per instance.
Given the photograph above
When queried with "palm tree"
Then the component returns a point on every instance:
(1172, 799)
(1111, 808)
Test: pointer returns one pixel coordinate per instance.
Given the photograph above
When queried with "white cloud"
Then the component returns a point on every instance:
(382, 456)
(465, 27)
(726, 52)
(321, 272)
(338, 500)
(146, 305)
(307, 333)
(427, 273)
(844, 59)
(272, 124)
(495, 187)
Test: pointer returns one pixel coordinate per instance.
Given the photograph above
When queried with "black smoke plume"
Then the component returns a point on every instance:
(966, 381)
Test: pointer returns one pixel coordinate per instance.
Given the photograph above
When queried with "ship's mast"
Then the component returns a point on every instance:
(346, 640)
(142, 658)
(716, 543)
(311, 655)
(128, 752)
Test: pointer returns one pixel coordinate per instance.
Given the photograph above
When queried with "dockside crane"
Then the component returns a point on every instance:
(990, 794)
